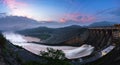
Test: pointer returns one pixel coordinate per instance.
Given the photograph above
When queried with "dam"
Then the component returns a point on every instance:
(105, 40)
(101, 37)
(101, 43)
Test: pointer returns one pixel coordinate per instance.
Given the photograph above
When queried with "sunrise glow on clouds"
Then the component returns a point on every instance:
(78, 18)
(18, 8)
(61, 10)
(13, 4)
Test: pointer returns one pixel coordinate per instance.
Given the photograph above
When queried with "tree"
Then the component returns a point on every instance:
(2, 40)
(54, 57)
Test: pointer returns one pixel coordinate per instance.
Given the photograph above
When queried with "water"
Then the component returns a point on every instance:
(70, 52)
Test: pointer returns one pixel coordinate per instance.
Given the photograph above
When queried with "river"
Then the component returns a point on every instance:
(70, 52)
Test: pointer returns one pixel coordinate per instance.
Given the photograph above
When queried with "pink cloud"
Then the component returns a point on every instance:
(13, 4)
(62, 20)
(77, 17)
(18, 8)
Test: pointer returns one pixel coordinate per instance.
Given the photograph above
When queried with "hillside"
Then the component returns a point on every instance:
(39, 32)
(54, 35)
(2, 61)
(64, 34)
(15, 55)
(103, 23)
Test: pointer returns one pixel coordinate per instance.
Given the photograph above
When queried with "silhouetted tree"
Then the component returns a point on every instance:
(2, 40)
(54, 57)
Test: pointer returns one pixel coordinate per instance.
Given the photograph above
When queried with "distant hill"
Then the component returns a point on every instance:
(66, 33)
(40, 32)
(37, 30)
(54, 35)
(57, 24)
(103, 23)
(11, 23)
(46, 30)
(16, 23)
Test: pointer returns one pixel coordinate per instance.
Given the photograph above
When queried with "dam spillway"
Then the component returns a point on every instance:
(105, 40)
(100, 37)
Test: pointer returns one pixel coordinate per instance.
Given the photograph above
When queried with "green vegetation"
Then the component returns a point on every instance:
(40, 32)
(53, 54)
(54, 57)
(51, 57)
(42, 36)
(33, 63)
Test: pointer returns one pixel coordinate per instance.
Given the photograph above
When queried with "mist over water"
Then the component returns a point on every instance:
(13, 37)
(70, 52)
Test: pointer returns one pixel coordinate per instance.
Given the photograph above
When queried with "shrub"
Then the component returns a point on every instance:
(54, 57)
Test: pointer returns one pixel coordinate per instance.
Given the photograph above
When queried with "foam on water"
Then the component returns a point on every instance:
(70, 52)
(13, 37)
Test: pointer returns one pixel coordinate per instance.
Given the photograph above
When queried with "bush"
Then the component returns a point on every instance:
(54, 57)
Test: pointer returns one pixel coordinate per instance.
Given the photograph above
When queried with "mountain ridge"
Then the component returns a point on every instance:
(103, 23)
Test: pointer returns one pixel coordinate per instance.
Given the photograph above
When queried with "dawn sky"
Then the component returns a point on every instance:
(81, 11)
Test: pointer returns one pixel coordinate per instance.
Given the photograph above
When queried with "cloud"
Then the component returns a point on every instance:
(81, 18)
(115, 12)
(62, 20)
(13, 4)
(103, 11)
(2, 14)
(18, 8)
(112, 11)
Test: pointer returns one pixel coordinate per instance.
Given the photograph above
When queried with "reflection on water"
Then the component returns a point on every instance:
(70, 52)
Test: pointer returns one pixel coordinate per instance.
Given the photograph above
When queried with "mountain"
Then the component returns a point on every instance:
(39, 32)
(16, 23)
(103, 23)
(55, 24)
(53, 35)
(36, 30)
(42, 29)
(12, 23)
(62, 34)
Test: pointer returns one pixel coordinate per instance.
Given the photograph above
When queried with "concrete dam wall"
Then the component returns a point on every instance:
(99, 38)
(102, 38)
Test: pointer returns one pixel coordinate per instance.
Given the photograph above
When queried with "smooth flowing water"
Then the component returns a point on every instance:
(70, 52)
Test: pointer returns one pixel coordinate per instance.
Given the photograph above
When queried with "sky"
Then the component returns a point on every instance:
(79, 11)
